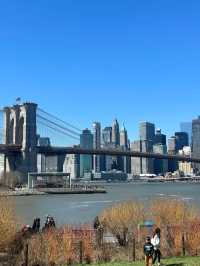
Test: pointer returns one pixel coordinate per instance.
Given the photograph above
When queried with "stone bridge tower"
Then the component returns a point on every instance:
(20, 129)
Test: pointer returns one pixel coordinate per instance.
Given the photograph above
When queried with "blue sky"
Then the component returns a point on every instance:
(97, 60)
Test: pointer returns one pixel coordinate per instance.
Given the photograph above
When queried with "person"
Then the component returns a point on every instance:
(96, 223)
(36, 225)
(155, 241)
(148, 251)
(50, 223)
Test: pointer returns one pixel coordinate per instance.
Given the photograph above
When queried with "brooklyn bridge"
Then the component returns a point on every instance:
(19, 140)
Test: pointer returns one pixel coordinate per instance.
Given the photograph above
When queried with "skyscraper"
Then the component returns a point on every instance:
(187, 127)
(86, 142)
(160, 165)
(182, 140)
(107, 135)
(160, 138)
(147, 131)
(196, 142)
(124, 138)
(96, 145)
(115, 133)
(141, 165)
(172, 149)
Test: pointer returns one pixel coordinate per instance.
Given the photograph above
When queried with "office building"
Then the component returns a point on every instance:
(72, 165)
(142, 165)
(96, 145)
(107, 135)
(147, 131)
(186, 167)
(196, 142)
(172, 145)
(42, 164)
(160, 165)
(86, 142)
(124, 138)
(115, 133)
(187, 127)
(182, 140)
(160, 138)
(172, 149)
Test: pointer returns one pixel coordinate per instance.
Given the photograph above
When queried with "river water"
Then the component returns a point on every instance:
(79, 209)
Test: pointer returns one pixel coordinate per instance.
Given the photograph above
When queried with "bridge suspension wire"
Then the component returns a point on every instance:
(60, 120)
(57, 130)
(72, 132)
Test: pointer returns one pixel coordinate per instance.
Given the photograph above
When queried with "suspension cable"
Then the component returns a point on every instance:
(58, 130)
(58, 119)
(59, 126)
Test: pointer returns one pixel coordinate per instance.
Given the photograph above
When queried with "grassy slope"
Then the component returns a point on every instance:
(194, 261)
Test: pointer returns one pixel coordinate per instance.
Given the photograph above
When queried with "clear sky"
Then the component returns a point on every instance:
(87, 60)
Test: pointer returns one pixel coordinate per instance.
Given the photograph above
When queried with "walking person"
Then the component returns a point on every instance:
(148, 252)
(155, 241)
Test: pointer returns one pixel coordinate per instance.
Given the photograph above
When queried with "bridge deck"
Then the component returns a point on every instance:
(49, 150)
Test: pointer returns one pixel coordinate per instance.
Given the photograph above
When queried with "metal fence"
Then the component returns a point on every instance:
(84, 245)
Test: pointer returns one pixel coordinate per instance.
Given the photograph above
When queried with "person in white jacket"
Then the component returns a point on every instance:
(155, 241)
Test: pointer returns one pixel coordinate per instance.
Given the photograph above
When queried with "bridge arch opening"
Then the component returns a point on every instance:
(11, 132)
(21, 130)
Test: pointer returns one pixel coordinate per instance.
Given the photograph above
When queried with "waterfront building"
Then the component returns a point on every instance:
(196, 142)
(160, 138)
(186, 167)
(160, 165)
(72, 165)
(96, 145)
(86, 142)
(141, 165)
(187, 127)
(115, 133)
(182, 140)
(113, 175)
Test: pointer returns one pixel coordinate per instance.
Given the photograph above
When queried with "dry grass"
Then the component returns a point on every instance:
(175, 218)
(122, 217)
(8, 222)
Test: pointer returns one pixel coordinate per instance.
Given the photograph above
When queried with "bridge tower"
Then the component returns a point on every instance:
(20, 129)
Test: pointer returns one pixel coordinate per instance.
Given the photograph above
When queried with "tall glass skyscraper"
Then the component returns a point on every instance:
(182, 140)
(86, 142)
(187, 127)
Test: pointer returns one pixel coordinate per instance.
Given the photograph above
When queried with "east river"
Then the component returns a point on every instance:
(79, 209)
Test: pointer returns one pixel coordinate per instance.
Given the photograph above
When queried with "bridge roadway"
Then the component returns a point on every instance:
(7, 149)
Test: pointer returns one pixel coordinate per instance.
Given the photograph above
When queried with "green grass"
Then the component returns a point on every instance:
(183, 261)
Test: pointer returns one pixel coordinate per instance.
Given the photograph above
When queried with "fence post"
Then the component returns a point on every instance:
(134, 249)
(183, 244)
(26, 255)
(81, 252)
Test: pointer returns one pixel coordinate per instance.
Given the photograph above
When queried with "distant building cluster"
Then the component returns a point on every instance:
(184, 142)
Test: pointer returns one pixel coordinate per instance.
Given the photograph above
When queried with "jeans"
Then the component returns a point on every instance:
(157, 255)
